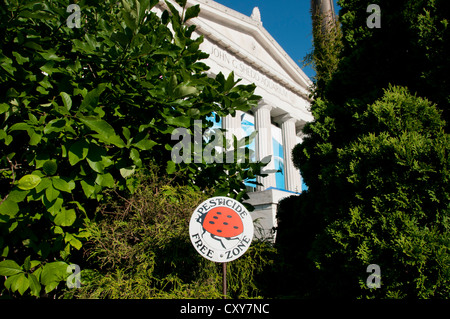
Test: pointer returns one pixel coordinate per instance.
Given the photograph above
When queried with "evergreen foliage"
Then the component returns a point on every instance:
(327, 46)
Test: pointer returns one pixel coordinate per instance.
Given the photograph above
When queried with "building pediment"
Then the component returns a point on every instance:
(238, 43)
(246, 37)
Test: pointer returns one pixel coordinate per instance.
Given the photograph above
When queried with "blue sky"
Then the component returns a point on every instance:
(288, 21)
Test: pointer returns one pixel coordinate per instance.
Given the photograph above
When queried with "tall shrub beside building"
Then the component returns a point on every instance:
(376, 160)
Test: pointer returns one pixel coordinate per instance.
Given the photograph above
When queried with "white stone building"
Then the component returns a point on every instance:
(238, 43)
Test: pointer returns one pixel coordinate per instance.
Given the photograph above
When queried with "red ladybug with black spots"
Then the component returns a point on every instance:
(222, 223)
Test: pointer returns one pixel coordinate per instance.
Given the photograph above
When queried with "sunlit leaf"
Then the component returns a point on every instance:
(29, 181)
(66, 217)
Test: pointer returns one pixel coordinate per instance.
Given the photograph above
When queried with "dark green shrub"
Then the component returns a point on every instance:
(385, 201)
(376, 158)
(83, 110)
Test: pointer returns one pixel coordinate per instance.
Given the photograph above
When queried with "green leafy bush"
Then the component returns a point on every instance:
(375, 160)
(389, 206)
(85, 109)
(399, 217)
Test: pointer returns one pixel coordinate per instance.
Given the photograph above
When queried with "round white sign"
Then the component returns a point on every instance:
(221, 229)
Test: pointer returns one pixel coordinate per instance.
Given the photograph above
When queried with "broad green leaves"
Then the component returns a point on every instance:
(91, 99)
(29, 181)
(86, 110)
(62, 185)
(88, 189)
(32, 275)
(50, 167)
(105, 131)
(191, 12)
(145, 144)
(134, 12)
(9, 208)
(52, 274)
(66, 100)
(127, 171)
(17, 279)
(52, 193)
(9, 268)
(18, 283)
(66, 217)
(184, 91)
(100, 126)
(78, 151)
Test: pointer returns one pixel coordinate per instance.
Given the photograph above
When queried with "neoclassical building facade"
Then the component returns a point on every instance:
(240, 44)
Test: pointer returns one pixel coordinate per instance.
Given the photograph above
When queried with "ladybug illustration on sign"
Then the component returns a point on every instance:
(222, 223)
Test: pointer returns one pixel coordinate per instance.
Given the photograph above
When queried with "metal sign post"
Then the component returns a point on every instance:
(224, 283)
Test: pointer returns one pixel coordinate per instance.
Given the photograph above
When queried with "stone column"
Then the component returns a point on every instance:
(291, 174)
(232, 125)
(264, 146)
